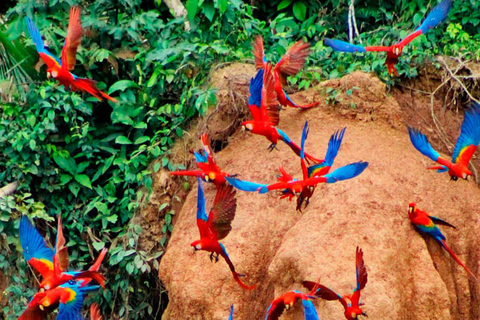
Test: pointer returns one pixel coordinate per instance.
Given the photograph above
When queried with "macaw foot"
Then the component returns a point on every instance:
(306, 203)
(272, 146)
(213, 257)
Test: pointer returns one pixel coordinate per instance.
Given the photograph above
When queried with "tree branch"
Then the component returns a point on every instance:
(9, 189)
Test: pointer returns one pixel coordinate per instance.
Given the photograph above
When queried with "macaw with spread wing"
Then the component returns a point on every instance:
(60, 69)
(351, 304)
(305, 188)
(427, 225)
(209, 170)
(289, 65)
(264, 107)
(434, 18)
(287, 300)
(52, 265)
(68, 297)
(217, 225)
(465, 147)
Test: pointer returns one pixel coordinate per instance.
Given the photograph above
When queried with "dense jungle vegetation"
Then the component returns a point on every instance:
(86, 160)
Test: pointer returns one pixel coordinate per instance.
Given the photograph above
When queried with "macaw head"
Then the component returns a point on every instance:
(52, 73)
(355, 312)
(465, 173)
(247, 125)
(197, 245)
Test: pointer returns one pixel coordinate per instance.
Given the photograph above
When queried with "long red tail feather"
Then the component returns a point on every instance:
(95, 275)
(236, 276)
(454, 256)
(89, 86)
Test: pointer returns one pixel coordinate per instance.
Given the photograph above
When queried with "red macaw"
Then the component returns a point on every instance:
(311, 176)
(427, 224)
(60, 69)
(434, 18)
(209, 170)
(52, 265)
(287, 300)
(95, 312)
(263, 105)
(465, 147)
(68, 297)
(351, 304)
(217, 225)
(289, 65)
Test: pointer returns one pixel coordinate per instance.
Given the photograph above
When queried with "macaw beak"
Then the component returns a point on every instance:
(243, 128)
(41, 307)
(48, 74)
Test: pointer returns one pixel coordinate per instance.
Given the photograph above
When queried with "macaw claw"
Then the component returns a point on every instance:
(213, 257)
(272, 146)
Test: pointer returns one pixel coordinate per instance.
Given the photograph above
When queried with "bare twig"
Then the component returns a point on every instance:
(178, 11)
(9, 189)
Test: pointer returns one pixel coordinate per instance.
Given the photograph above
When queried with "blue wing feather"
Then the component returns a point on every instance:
(231, 313)
(71, 310)
(200, 158)
(346, 172)
(245, 185)
(256, 84)
(343, 46)
(284, 136)
(201, 210)
(304, 137)
(309, 310)
(420, 142)
(470, 133)
(37, 39)
(33, 244)
(436, 16)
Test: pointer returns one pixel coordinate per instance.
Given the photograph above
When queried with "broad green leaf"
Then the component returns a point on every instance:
(122, 85)
(222, 5)
(98, 245)
(123, 140)
(67, 164)
(208, 9)
(84, 180)
(141, 139)
(283, 4)
(299, 10)
(191, 7)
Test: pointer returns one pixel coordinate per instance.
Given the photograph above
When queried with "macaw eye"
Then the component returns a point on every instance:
(54, 74)
(71, 282)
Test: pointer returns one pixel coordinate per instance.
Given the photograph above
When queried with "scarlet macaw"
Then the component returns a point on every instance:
(95, 312)
(305, 188)
(288, 300)
(217, 225)
(289, 65)
(60, 69)
(68, 297)
(465, 147)
(52, 265)
(352, 303)
(434, 18)
(263, 105)
(427, 224)
(209, 170)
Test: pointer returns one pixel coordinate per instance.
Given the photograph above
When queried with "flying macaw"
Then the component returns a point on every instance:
(217, 225)
(351, 304)
(209, 170)
(95, 312)
(305, 188)
(427, 224)
(289, 65)
(263, 105)
(287, 300)
(465, 147)
(68, 297)
(52, 265)
(60, 69)
(434, 18)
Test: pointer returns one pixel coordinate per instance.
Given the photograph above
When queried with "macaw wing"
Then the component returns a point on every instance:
(255, 98)
(361, 271)
(275, 309)
(95, 312)
(420, 142)
(334, 143)
(343, 46)
(207, 148)
(230, 317)
(309, 310)
(73, 39)
(245, 185)
(293, 60)
(302, 151)
(322, 291)
(277, 186)
(223, 212)
(202, 218)
(71, 300)
(436, 16)
(441, 222)
(346, 172)
(48, 57)
(270, 104)
(35, 251)
(284, 176)
(33, 313)
(469, 137)
(60, 258)
(258, 52)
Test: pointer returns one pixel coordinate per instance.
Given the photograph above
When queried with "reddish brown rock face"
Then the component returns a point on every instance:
(408, 277)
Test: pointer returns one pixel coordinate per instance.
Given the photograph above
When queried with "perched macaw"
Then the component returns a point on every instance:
(231, 313)
(434, 18)
(351, 304)
(68, 297)
(217, 225)
(287, 300)
(209, 170)
(289, 65)
(95, 312)
(427, 224)
(263, 105)
(305, 188)
(465, 147)
(60, 69)
(52, 265)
